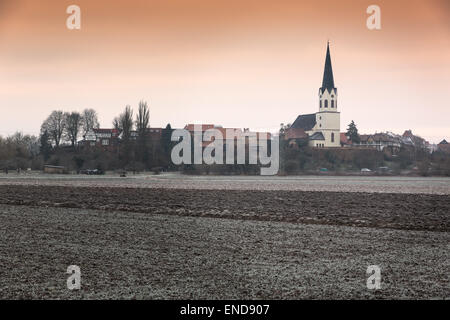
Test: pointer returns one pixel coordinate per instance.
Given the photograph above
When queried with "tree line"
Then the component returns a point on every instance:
(57, 143)
(60, 132)
(63, 126)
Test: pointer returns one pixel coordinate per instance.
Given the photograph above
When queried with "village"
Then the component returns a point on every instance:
(225, 158)
(74, 142)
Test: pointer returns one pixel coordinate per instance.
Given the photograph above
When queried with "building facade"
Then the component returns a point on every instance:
(104, 138)
(229, 135)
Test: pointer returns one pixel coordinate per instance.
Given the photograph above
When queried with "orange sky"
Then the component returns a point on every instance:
(235, 63)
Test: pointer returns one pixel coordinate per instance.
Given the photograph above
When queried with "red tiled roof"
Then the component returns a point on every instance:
(190, 127)
(266, 135)
(444, 147)
(416, 139)
(99, 130)
(234, 133)
(296, 133)
(382, 137)
(364, 137)
(407, 133)
(344, 139)
(223, 131)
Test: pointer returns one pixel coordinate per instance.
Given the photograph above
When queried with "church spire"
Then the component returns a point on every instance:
(328, 81)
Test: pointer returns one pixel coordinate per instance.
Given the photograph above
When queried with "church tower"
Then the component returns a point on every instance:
(328, 93)
(328, 117)
(323, 127)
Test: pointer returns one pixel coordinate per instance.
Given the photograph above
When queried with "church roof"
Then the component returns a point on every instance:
(328, 80)
(317, 136)
(305, 122)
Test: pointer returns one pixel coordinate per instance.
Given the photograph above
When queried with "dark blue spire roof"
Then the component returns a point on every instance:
(328, 80)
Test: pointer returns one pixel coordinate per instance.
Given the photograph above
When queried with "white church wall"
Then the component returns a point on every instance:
(328, 96)
(328, 121)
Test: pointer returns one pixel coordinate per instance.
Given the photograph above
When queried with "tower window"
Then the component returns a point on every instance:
(332, 103)
(332, 137)
(326, 103)
(321, 103)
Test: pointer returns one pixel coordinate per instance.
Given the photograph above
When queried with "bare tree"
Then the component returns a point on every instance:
(18, 151)
(31, 144)
(54, 125)
(126, 123)
(116, 124)
(90, 120)
(73, 123)
(142, 124)
(142, 119)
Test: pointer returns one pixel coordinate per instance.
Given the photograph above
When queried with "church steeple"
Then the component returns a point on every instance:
(328, 80)
(328, 93)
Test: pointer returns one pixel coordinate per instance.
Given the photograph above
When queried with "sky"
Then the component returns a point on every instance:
(235, 63)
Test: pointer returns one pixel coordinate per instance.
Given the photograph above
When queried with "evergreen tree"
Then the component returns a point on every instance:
(45, 145)
(352, 132)
(167, 143)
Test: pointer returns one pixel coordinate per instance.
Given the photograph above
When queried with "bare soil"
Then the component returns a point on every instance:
(381, 210)
(137, 255)
(167, 243)
(368, 184)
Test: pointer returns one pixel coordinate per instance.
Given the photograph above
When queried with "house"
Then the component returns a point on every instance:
(104, 138)
(408, 138)
(380, 141)
(296, 137)
(443, 146)
(191, 127)
(345, 141)
(323, 127)
(155, 134)
(229, 135)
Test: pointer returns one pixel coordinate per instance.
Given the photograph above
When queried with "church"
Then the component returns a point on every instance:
(322, 128)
